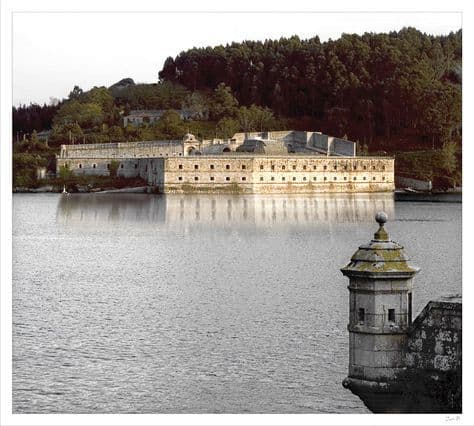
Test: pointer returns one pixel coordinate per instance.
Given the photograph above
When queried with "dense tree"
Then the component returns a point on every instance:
(32, 117)
(224, 103)
(84, 114)
(227, 127)
(170, 125)
(371, 86)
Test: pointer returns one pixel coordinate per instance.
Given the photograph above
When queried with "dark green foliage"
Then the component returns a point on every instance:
(369, 86)
(28, 118)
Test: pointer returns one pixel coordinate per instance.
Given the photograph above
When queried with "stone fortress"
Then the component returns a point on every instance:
(256, 162)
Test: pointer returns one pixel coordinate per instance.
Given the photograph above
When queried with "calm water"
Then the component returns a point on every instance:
(188, 304)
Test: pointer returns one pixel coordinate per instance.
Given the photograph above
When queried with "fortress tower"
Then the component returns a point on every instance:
(380, 313)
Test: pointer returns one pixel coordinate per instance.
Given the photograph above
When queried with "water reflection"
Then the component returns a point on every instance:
(258, 211)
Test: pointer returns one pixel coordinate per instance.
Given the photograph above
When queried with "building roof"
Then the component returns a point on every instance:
(381, 258)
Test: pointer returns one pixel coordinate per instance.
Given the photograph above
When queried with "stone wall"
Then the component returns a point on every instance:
(436, 335)
(127, 167)
(123, 150)
(342, 147)
(434, 356)
(269, 174)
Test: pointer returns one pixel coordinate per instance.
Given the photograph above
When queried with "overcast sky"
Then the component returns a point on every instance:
(52, 52)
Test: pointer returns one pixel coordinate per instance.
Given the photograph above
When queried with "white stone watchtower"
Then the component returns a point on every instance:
(380, 286)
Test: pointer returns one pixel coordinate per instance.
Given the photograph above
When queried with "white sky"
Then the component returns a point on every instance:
(52, 52)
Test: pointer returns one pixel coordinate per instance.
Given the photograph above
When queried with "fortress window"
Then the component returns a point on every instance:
(108, 166)
(136, 166)
(196, 167)
(391, 315)
(283, 167)
(325, 178)
(227, 178)
(227, 167)
(80, 166)
(365, 167)
(180, 167)
(294, 167)
(383, 167)
(283, 178)
(273, 178)
(196, 178)
(273, 167)
(304, 167)
(373, 167)
(325, 167)
(314, 178)
(365, 178)
(383, 177)
(261, 166)
(373, 178)
(180, 153)
(345, 177)
(121, 166)
(261, 178)
(335, 178)
(243, 166)
(314, 167)
(180, 178)
(345, 167)
(211, 166)
(355, 167)
(304, 178)
(244, 178)
(361, 315)
(335, 167)
(94, 165)
(211, 178)
(294, 178)
(355, 178)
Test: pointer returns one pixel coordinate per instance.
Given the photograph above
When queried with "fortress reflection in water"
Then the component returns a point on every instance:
(223, 211)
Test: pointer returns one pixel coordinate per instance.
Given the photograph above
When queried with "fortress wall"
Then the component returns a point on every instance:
(123, 150)
(343, 147)
(434, 357)
(435, 341)
(266, 174)
(98, 166)
(319, 141)
(298, 137)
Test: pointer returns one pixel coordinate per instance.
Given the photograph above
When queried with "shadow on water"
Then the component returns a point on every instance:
(226, 211)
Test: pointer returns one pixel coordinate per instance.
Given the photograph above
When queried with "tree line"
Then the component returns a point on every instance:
(368, 86)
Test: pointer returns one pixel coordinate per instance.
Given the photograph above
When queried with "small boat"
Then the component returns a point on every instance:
(64, 190)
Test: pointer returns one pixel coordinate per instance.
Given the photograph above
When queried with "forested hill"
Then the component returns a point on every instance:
(404, 83)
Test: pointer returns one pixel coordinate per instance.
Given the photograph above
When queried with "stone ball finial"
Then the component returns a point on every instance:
(381, 218)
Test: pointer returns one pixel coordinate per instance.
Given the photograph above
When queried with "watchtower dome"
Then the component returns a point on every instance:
(380, 286)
